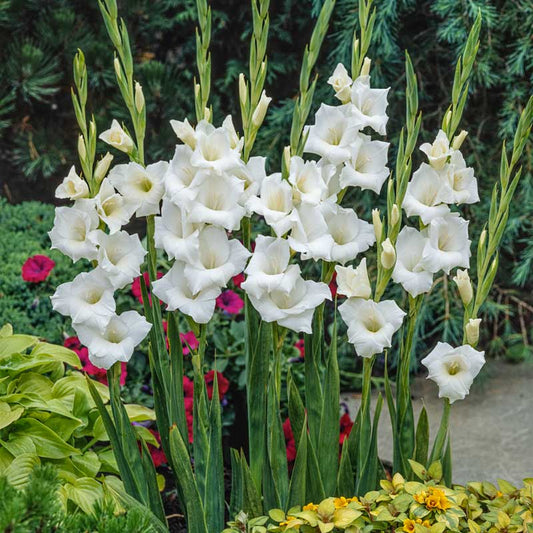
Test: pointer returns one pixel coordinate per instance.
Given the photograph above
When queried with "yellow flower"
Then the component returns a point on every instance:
(409, 525)
(341, 502)
(420, 497)
(436, 499)
(310, 507)
(291, 522)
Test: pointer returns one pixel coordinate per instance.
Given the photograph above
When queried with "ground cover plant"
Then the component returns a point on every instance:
(200, 210)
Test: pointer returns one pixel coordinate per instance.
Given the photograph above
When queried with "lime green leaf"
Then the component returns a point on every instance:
(139, 413)
(18, 472)
(8, 415)
(12, 344)
(57, 353)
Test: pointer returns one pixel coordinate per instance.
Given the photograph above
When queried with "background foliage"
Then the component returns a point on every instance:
(38, 132)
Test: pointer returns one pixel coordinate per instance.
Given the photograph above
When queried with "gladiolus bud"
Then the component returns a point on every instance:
(287, 157)
(447, 118)
(395, 215)
(462, 280)
(243, 91)
(365, 69)
(139, 97)
(196, 90)
(261, 109)
(472, 331)
(118, 69)
(388, 254)
(482, 239)
(207, 114)
(81, 148)
(102, 167)
(458, 140)
(378, 225)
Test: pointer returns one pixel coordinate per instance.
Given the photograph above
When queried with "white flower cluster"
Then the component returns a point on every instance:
(206, 186)
(443, 244)
(89, 298)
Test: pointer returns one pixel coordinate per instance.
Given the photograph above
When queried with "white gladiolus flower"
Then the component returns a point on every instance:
(308, 183)
(112, 208)
(117, 138)
(252, 174)
(294, 309)
(213, 151)
(174, 289)
(87, 299)
(350, 234)
(448, 245)
(235, 142)
(175, 234)
(185, 132)
(341, 83)
(269, 268)
(353, 283)
(72, 187)
(408, 270)
(462, 181)
(180, 175)
(367, 165)
(116, 342)
(427, 194)
(438, 152)
(371, 325)
(369, 105)
(275, 203)
(216, 200)
(120, 256)
(73, 231)
(332, 134)
(310, 235)
(453, 369)
(143, 187)
(217, 260)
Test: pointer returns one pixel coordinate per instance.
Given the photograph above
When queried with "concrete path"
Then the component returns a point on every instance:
(492, 428)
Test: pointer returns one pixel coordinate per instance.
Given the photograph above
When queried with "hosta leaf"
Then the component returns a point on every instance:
(8, 415)
(18, 472)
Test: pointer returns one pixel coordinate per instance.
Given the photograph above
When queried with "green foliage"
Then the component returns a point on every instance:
(399, 505)
(38, 507)
(47, 416)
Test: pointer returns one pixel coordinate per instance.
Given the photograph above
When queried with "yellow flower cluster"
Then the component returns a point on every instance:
(409, 525)
(433, 499)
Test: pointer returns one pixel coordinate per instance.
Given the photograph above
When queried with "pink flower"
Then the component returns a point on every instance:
(230, 302)
(136, 286)
(37, 268)
(300, 346)
(188, 387)
(189, 341)
(223, 384)
(237, 280)
(101, 375)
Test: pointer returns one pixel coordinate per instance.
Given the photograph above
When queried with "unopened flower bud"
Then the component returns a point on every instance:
(102, 167)
(365, 69)
(118, 68)
(472, 331)
(196, 90)
(207, 114)
(139, 97)
(81, 148)
(353, 283)
(287, 157)
(482, 239)
(462, 280)
(261, 109)
(378, 225)
(458, 140)
(395, 215)
(446, 120)
(92, 128)
(243, 90)
(388, 254)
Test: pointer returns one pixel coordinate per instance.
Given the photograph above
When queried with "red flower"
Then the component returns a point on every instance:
(223, 384)
(189, 342)
(346, 425)
(136, 286)
(333, 285)
(237, 280)
(37, 268)
(230, 302)
(300, 346)
(158, 455)
(188, 387)
(289, 441)
(101, 375)
(74, 344)
(188, 416)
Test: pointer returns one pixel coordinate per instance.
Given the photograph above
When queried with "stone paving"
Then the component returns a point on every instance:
(492, 429)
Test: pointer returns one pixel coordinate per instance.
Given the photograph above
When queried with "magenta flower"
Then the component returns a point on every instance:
(37, 268)
(189, 341)
(230, 302)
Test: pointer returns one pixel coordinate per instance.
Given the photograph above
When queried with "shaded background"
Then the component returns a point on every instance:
(38, 39)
